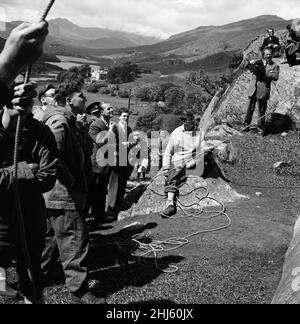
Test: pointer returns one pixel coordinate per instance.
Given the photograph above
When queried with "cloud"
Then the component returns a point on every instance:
(151, 17)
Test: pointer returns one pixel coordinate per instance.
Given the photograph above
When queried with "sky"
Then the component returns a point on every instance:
(160, 18)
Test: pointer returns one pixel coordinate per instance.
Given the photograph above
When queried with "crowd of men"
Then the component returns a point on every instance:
(74, 159)
(62, 174)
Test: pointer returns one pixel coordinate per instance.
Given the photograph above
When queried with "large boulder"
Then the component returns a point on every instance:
(288, 291)
(150, 199)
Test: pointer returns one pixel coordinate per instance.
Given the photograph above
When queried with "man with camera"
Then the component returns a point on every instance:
(271, 42)
(263, 73)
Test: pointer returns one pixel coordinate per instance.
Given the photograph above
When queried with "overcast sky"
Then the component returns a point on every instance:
(161, 18)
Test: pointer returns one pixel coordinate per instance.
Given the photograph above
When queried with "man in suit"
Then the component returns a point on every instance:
(123, 170)
(103, 137)
(271, 42)
(264, 72)
(292, 45)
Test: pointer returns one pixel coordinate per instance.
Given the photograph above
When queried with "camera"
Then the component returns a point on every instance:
(255, 66)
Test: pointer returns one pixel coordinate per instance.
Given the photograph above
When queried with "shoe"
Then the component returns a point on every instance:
(41, 301)
(88, 299)
(170, 210)
(110, 217)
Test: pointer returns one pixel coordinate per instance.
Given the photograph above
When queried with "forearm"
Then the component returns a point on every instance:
(8, 72)
(5, 94)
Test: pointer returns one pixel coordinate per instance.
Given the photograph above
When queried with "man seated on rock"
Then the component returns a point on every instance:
(271, 42)
(293, 45)
(263, 73)
(185, 151)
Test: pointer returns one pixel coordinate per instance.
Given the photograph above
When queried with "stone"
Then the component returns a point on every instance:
(259, 194)
(153, 200)
(280, 165)
(288, 291)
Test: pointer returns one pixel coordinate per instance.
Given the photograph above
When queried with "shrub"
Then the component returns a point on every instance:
(144, 122)
(105, 91)
(174, 97)
(92, 87)
(123, 93)
(124, 73)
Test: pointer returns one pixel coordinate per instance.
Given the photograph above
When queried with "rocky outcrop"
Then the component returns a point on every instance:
(285, 96)
(288, 291)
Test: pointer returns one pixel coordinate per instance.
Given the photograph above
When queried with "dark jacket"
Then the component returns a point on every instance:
(260, 85)
(270, 41)
(100, 153)
(37, 147)
(71, 189)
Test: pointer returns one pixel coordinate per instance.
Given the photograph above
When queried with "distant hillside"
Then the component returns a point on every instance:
(208, 47)
(97, 38)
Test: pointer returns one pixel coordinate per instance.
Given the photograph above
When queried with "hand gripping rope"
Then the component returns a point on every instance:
(19, 214)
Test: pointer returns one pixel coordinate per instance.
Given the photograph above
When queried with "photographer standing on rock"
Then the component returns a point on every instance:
(264, 72)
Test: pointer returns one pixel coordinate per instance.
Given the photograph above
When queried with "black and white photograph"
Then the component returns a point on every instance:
(149, 155)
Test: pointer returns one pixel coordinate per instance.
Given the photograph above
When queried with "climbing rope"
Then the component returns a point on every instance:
(18, 206)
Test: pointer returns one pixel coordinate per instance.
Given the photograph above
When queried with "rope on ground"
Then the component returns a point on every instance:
(171, 244)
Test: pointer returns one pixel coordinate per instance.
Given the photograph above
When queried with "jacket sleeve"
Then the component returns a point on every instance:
(59, 128)
(274, 73)
(99, 136)
(169, 152)
(6, 175)
(48, 165)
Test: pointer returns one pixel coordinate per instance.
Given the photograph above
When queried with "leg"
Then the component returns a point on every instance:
(100, 196)
(172, 190)
(291, 58)
(112, 194)
(262, 109)
(34, 213)
(6, 235)
(250, 111)
(73, 244)
(50, 257)
(123, 179)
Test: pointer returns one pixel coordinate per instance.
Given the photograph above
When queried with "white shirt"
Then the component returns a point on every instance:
(183, 148)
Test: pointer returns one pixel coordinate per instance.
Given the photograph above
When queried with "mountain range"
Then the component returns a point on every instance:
(188, 50)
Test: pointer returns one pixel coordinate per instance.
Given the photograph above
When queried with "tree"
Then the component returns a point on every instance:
(174, 97)
(85, 71)
(144, 122)
(124, 73)
(69, 76)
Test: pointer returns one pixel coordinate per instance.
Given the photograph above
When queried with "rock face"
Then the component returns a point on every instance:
(288, 291)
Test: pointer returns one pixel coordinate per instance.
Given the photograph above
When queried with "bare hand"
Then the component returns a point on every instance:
(23, 102)
(34, 168)
(23, 47)
(111, 126)
(166, 172)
